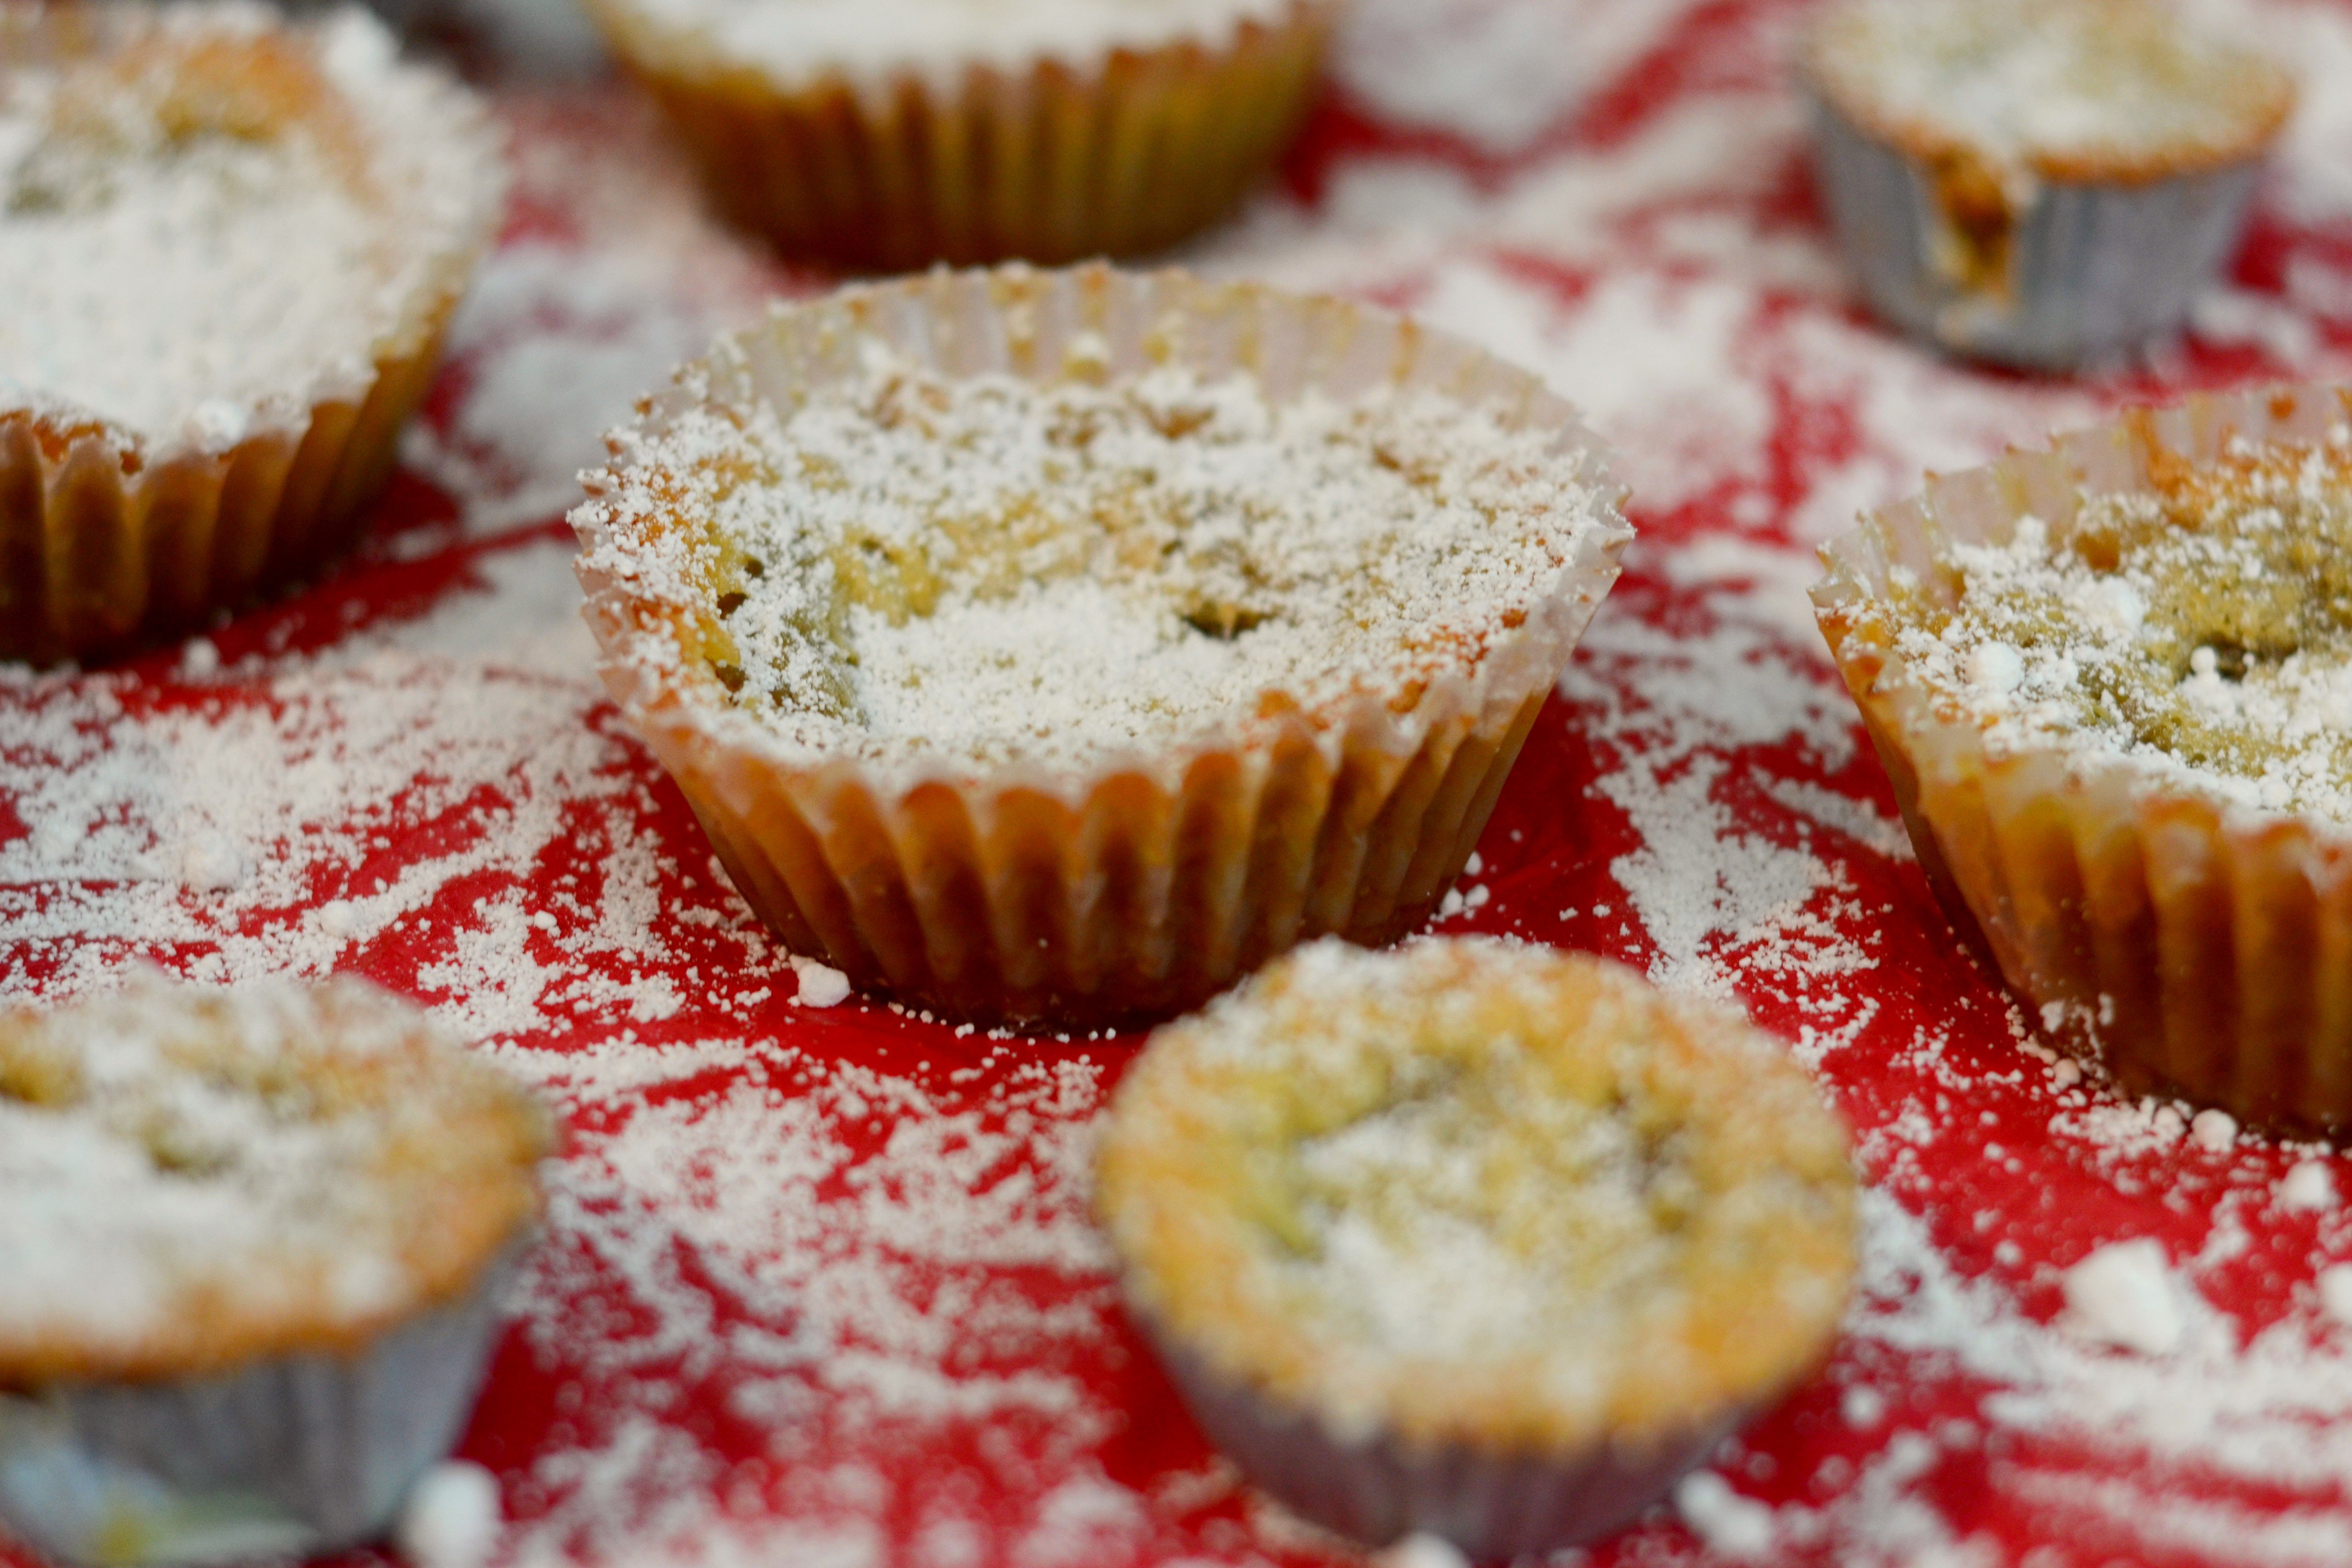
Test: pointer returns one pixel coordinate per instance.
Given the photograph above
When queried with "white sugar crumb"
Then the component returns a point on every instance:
(2334, 1284)
(2122, 1294)
(1735, 1525)
(189, 284)
(451, 1518)
(211, 863)
(2309, 1186)
(821, 986)
(2214, 1131)
(199, 659)
(1863, 1406)
(1421, 1550)
(986, 570)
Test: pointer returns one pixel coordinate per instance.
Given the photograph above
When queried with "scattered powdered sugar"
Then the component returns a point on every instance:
(485, 790)
(991, 570)
(184, 279)
(1498, 71)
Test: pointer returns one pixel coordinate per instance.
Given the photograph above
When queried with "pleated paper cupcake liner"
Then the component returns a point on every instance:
(1143, 886)
(2197, 948)
(1053, 163)
(102, 551)
(1496, 1504)
(2087, 272)
(290, 1456)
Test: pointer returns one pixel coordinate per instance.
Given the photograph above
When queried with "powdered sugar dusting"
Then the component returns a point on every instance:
(990, 571)
(494, 829)
(187, 281)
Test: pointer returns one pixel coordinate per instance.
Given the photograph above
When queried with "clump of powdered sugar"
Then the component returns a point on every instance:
(989, 570)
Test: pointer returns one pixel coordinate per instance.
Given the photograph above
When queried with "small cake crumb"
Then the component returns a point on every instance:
(2122, 1295)
(821, 986)
(1728, 1523)
(1421, 1550)
(451, 1518)
(199, 659)
(2214, 1130)
(2309, 1185)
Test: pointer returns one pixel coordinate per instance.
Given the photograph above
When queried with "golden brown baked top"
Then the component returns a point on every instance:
(1475, 1191)
(212, 217)
(2062, 90)
(192, 1179)
(2201, 628)
(992, 569)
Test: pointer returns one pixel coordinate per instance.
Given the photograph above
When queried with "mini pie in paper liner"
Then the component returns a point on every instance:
(1149, 882)
(169, 1396)
(111, 537)
(1579, 1094)
(2042, 260)
(2196, 946)
(1062, 160)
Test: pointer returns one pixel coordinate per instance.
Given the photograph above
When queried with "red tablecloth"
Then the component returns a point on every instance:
(819, 1288)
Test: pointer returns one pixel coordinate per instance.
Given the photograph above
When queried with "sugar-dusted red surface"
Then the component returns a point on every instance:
(818, 1286)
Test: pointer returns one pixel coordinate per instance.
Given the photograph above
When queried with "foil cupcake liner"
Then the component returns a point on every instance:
(1144, 885)
(112, 539)
(288, 1456)
(1050, 164)
(2087, 271)
(2196, 948)
(1496, 1505)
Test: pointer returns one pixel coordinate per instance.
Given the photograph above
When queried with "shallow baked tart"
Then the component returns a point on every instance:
(2040, 183)
(2111, 683)
(254, 1242)
(887, 134)
(228, 245)
(1474, 1238)
(1062, 646)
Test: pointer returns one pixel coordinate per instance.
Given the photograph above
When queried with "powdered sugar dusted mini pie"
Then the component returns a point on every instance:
(228, 245)
(2037, 181)
(253, 1242)
(2112, 684)
(1063, 646)
(1474, 1238)
(890, 133)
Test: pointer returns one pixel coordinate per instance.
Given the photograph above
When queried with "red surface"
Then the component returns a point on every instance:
(1954, 1123)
